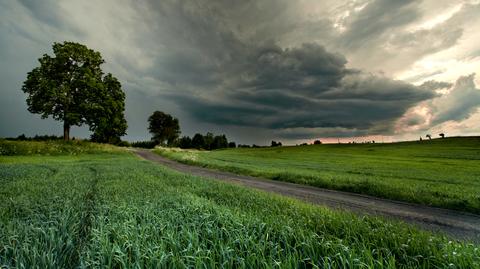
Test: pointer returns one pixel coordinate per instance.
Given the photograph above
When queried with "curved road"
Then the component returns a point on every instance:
(460, 225)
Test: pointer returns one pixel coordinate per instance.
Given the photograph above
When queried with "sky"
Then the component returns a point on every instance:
(262, 70)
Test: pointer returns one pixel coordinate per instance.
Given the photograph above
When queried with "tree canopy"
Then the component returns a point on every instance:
(107, 119)
(70, 87)
(207, 141)
(163, 127)
(198, 141)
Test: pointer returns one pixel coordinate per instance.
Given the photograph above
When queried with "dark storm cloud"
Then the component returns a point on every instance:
(222, 73)
(304, 87)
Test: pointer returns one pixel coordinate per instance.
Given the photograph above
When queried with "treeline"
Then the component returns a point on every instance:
(207, 142)
(23, 137)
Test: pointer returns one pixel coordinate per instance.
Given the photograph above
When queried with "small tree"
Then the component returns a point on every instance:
(232, 144)
(163, 127)
(208, 141)
(198, 141)
(442, 135)
(428, 136)
(317, 142)
(276, 144)
(67, 85)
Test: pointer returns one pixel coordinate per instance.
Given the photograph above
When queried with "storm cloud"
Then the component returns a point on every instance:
(302, 87)
(257, 70)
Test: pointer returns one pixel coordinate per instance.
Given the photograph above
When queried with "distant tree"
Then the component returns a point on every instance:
(232, 144)
(163, 127)
(275, 144)
(22, 137)
(185, 142)
(442, 135)
(106, 118)
(428, 136)
(219, 142)
(69, 87)
(198, 141)
(317, 142)
(208, 141)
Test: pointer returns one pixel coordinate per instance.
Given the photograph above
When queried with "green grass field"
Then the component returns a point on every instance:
(110, 209)
(441, 172)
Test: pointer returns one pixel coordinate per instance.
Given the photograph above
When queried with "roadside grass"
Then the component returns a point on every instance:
(117, 211)
(54, 147)
(441, 172)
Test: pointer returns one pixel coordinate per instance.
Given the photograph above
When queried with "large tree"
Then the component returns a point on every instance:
(70, 87)
(163, 127)
(106, 115)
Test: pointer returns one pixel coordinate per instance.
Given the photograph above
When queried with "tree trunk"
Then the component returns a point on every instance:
(66, 131)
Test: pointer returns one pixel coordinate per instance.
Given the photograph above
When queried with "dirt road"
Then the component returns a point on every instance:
(457, 224)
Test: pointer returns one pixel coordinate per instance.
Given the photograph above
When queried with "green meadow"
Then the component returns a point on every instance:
(440, 172)
(106, 208)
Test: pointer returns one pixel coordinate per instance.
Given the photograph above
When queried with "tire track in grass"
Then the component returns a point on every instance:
(83, 234)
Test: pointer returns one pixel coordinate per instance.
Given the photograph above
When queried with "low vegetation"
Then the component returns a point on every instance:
(51, 147)
(440, 172)
(117, 211)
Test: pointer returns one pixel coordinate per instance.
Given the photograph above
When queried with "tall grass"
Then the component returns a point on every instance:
(53, 147)
(117, 211)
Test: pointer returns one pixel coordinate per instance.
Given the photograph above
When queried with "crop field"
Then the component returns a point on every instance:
(110, 209)
(441, 172)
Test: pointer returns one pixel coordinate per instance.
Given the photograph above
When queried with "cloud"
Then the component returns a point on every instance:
(391, 35)
(459, 104)
(433, 85)
(304, 87)
(291, 69)
(460, 101)
(376, 19)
